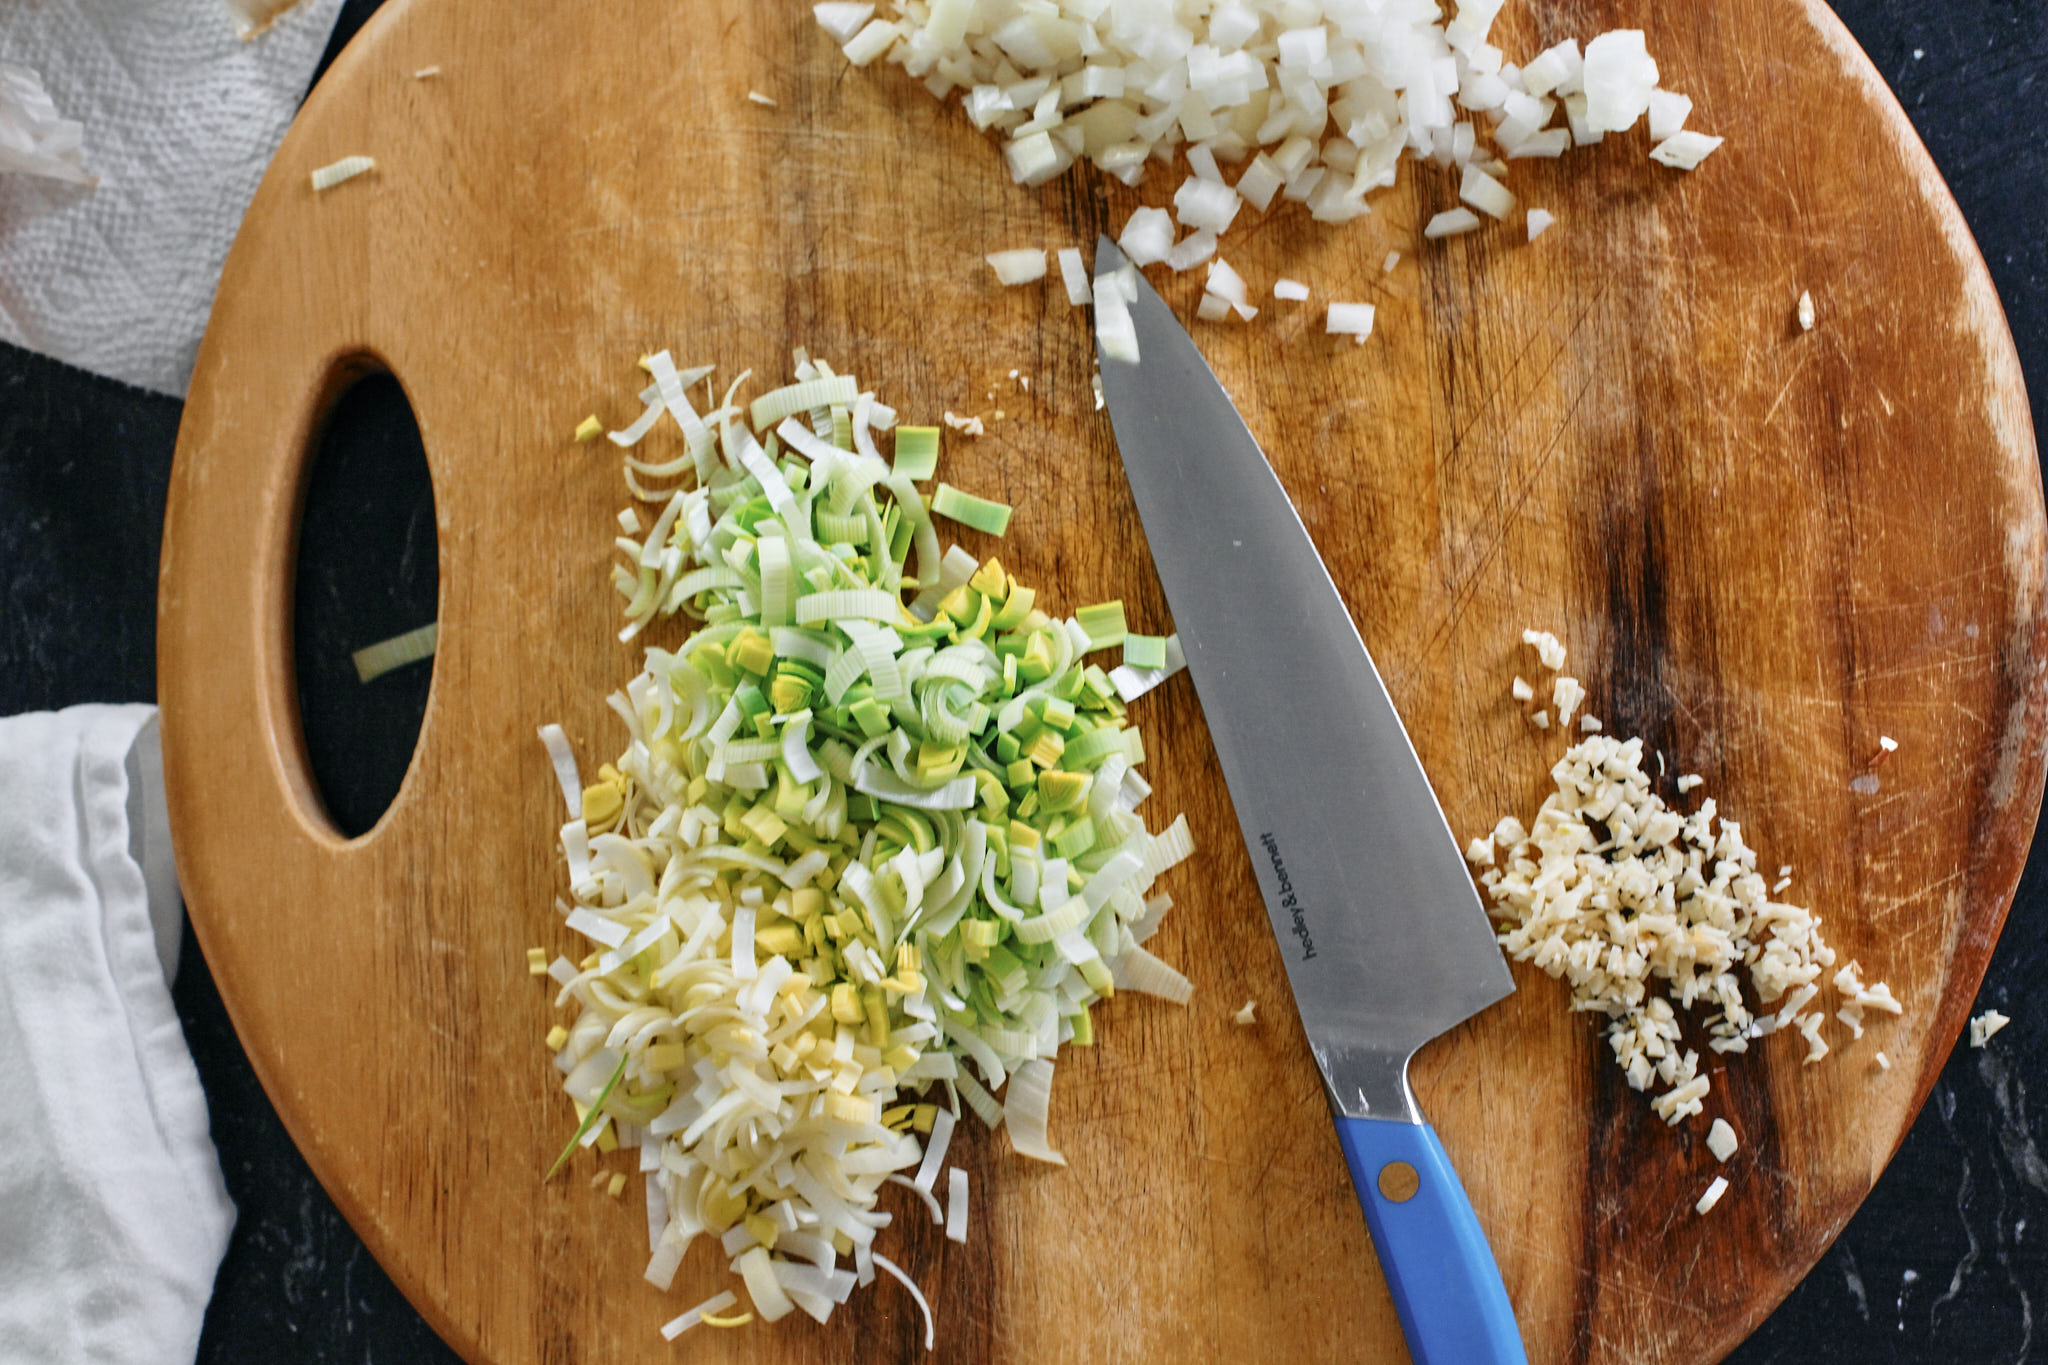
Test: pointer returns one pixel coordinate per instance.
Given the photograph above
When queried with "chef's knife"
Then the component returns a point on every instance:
(1385, 940)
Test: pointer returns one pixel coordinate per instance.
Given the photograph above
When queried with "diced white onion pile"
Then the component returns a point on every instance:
(1317, 103)
(1614, 892)
(861, 860)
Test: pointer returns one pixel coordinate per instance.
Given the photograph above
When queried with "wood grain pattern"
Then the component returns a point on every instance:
(1764, 548)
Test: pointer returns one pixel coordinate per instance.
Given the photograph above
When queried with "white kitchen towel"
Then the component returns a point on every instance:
(113, 1217)
(180, 118)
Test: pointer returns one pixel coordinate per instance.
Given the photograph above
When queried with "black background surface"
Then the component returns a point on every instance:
(1937, 1265)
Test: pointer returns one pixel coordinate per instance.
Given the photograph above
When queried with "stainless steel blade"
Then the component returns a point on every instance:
(1385, 939)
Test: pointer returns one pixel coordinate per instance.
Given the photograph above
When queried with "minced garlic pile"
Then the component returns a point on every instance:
(1642, 908)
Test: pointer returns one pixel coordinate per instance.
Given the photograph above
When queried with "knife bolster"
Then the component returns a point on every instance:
(1368, 1083)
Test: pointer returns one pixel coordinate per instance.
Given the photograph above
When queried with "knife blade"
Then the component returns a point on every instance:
(1384, 938)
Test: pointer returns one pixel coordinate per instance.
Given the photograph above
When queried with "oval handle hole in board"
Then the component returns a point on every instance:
(367, 573)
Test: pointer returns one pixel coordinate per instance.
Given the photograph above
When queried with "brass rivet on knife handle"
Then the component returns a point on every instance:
(1399, 1182)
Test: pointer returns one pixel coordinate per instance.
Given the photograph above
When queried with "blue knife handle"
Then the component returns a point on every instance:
(1454, 1309)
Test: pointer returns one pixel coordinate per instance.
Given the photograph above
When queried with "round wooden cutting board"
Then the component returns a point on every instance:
(1765, 548)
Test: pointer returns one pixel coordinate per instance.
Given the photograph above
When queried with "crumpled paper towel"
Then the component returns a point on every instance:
(180, 118)
(113, 1217)
(34, 138)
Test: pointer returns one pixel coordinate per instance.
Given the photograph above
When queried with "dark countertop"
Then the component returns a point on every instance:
(1936, 1267)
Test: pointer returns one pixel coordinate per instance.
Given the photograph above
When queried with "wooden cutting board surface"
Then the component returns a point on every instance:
(1764, 548)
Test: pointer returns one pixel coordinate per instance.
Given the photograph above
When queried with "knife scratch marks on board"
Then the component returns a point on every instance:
(1466, 589)
(1620, 1283)
(1495, 390)
(1562, 348)
(1805, 359)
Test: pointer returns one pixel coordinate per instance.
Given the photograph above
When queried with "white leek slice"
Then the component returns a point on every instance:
(935, 1149)
(1024, 1111)
(711, 1307)
(776, 404)
(762, 1286)
(564, 760)
(1137, 970)
(956, 1204)
(930, 1328)
(348, 168)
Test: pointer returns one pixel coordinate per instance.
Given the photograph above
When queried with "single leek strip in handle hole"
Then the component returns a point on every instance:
(917, 452)
(374, 661)
(980, 513)
(591, 1118)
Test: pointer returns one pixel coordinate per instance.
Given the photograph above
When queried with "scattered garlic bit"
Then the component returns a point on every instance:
(1884, 1063)
(1244, 1016)
(1887, 743)
(1539, 222)
(1548, 648)
(1858, 998)
(1393, 259)
(1721, 1140)
(1450, 223)
(1479, 853)
(1509, 831)
(1541, 720)
(349, 167)
(765, 101)
(1780, 885)
(1021, 266)
(426, 71)
(1985, 1025)
(1566, 695)
(1712, 1196)
(1521, 690)
(1613, 892)
(1805, 311)
(1687, 781)
(1589, 725)
(966, 426)
(1816, 1046)
(1350, 319)
(1292, 290)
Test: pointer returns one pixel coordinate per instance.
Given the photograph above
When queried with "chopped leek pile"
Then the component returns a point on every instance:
(871, 851)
